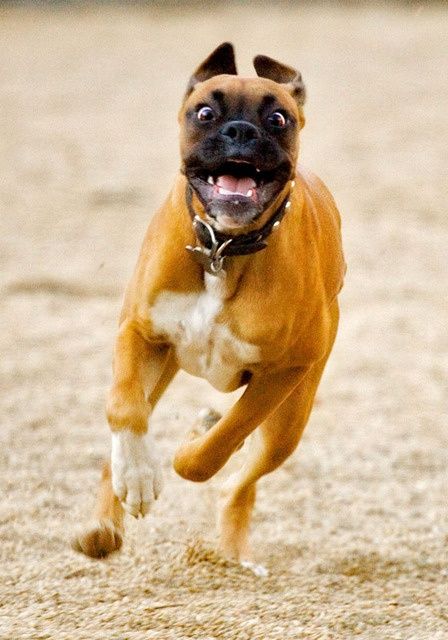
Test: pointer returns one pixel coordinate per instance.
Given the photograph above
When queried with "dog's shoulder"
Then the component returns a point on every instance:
(321, 214)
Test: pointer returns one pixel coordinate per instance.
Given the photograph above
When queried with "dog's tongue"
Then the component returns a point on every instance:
(236, 185)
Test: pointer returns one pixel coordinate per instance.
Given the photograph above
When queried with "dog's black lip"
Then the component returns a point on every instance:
(242, 161)
(270, 180)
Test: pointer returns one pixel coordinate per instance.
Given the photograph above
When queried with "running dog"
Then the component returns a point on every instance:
(237, 283)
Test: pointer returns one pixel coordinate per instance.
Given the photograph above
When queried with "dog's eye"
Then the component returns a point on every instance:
(205, 114)
(277, 120)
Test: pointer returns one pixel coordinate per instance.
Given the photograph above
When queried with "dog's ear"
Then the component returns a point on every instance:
(269, 68)
(221, 60)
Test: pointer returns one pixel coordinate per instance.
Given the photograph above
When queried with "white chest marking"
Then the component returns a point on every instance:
(204, 347)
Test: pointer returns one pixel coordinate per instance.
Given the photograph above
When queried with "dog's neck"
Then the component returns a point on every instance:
(215, 248)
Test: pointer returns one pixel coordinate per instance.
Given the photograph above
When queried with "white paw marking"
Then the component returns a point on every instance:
(257, 569)
(136, 473)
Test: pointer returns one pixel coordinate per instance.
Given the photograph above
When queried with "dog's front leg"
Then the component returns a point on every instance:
(139, 366)
(142, 371)
(201, 458)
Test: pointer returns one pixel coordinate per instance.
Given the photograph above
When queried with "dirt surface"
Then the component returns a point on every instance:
(354, 527)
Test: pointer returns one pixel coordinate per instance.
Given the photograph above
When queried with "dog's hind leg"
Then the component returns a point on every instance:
(106, 533)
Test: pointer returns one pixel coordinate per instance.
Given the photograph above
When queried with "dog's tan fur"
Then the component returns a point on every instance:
(280, 304)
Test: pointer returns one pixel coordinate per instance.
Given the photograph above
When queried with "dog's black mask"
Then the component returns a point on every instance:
(240, 141)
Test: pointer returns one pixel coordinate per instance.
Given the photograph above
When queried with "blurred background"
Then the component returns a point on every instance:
(89, 94)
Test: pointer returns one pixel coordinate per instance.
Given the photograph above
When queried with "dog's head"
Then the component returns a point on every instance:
(239, 137)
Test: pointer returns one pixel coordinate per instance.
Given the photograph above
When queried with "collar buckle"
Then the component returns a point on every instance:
(212, 260)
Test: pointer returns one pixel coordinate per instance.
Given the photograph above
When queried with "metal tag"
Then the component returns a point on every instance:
(201, 255)
(212, 259)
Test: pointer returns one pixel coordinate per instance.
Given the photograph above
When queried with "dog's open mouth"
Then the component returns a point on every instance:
(235, 180)
(236, 192)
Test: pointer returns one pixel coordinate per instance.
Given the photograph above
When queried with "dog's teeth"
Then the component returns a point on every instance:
(225, 192)
(210, 180)
(257, 170)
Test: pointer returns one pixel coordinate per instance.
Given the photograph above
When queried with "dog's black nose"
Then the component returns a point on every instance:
(240, 131)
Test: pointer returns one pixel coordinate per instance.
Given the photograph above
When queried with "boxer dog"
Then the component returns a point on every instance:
(236, 283)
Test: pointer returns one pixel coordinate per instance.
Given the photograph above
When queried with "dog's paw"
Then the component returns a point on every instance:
(207, 417)
(257, 569)
(99, 540)
(136, 473)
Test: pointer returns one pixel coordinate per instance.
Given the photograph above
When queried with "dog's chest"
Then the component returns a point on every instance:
(204, 347)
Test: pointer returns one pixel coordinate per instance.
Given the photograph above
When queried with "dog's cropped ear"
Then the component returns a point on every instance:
(269, 68)
(221, 60)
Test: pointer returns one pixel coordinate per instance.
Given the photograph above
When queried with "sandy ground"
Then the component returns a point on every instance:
(354, 527)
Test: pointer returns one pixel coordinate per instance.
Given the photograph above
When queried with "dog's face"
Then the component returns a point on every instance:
(239, 137)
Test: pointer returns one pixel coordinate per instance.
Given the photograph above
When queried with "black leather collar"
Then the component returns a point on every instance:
(216, 246)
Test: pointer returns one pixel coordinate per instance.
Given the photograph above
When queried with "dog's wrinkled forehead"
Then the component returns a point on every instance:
(216, 80)
(239, 97)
